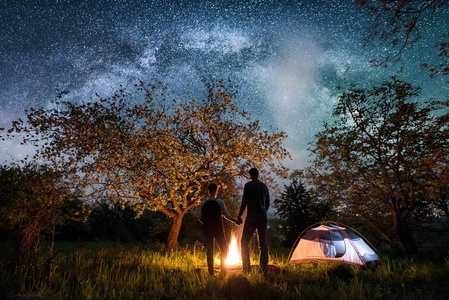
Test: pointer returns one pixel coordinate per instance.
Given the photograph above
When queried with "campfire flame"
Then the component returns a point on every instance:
(234, 257)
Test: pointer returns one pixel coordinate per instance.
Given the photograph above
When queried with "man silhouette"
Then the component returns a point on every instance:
(210, 214)
(256, 199)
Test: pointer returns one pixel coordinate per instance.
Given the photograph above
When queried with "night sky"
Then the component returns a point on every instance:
(287, 57)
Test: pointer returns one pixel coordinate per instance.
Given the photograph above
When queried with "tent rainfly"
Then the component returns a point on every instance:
(331, 241)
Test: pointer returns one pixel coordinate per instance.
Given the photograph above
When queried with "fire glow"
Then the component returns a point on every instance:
(234, 257)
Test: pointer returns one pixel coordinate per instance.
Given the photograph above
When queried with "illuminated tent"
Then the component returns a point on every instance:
(332, 242)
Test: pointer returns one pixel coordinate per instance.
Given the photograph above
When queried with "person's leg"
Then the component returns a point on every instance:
(248, 231)
(221, 240)
(263, 244)
(209, 251)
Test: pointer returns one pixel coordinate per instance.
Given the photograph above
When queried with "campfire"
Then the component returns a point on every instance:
(234, 259)
(234, 256)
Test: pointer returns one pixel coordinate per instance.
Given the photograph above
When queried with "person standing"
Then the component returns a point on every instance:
(210, 215)
(256, 199)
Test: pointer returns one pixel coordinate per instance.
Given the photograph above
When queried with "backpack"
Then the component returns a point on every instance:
(211, 214)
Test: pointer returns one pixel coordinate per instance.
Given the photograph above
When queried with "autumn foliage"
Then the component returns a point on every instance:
(152, 148)
(384, 157)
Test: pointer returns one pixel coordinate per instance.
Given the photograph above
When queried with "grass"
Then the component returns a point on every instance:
(123, 271)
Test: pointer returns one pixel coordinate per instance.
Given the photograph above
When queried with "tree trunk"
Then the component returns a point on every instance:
(52, 244)
(405, 235)
(172, 240)
(383, 233)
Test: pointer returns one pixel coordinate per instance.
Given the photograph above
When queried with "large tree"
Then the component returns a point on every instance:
(151, 147)
(379, 154)
(397, 25)
(437, 183)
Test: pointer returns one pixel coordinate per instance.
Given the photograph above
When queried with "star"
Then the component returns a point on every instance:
(287, 57)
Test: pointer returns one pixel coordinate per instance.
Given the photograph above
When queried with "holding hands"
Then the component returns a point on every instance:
(238, 221)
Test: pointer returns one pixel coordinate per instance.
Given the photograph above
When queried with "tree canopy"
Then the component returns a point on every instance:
(154, 149)
(397, 26)
(380, 154)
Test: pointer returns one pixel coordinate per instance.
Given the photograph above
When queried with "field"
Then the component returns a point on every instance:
(99, 270)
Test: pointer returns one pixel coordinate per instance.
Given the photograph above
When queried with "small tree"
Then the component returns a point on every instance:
(151, 148)
(299, 208)
(31, 198)
(379, 154)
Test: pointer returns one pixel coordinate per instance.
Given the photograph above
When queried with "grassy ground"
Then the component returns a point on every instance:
(117, 271)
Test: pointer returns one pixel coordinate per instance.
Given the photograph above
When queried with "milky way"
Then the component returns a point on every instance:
(286, 56)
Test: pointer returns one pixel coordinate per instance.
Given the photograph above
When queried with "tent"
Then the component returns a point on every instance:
(330, 241)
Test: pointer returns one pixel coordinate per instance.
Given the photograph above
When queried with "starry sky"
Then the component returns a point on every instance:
(287, 57)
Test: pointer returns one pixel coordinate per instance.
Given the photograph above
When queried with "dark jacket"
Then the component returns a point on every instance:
(256, 198)
(211, 211)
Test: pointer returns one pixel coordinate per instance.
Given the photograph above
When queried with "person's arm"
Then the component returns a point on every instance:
(244, 202)
(224, 211)
(267, 203)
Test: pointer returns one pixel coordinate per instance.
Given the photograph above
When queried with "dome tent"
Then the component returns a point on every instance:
(331, 241)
